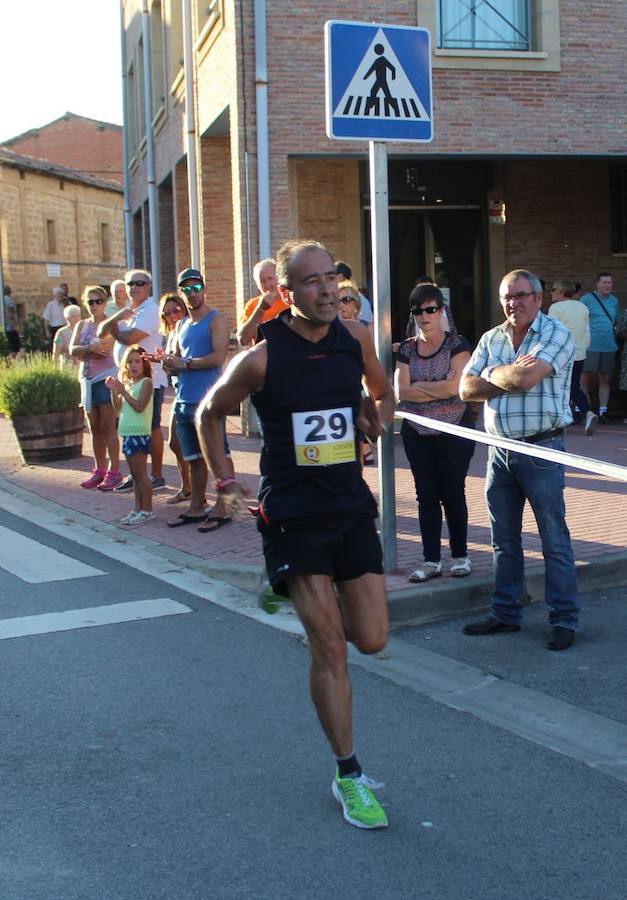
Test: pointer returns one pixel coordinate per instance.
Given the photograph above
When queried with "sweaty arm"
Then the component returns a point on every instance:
(372, 421)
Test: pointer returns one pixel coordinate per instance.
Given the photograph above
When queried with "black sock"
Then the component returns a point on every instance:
(348, 766)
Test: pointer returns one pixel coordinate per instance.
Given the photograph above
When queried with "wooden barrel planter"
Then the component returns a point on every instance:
(51, 436)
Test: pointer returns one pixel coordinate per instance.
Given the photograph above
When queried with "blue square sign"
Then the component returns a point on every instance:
(378, 82)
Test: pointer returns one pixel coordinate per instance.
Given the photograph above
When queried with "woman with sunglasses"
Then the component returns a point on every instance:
(428, 371)
(96, 363)
(172, 310)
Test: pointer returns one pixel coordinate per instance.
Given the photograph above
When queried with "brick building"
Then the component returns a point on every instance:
(57, 225)
(77, 142)
(528, 111)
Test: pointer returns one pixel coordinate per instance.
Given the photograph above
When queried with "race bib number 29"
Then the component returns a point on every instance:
(324, 437)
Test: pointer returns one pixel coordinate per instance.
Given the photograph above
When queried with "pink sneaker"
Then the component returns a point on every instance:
(94, 479)
(111, 480)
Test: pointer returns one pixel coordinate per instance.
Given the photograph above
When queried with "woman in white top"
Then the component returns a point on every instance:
(576, 317)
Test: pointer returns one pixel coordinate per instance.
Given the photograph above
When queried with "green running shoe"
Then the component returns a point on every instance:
(359, 804)
(271, 602)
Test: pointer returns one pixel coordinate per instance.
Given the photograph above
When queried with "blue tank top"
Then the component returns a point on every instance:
(194, 340)
(308, 410)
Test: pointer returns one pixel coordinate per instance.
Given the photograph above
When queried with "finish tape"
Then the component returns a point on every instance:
(586, 463)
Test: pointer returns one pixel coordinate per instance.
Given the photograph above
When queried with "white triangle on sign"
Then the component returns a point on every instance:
(380, 89)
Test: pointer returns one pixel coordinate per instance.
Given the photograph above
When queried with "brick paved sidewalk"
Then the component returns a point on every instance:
(597, 506)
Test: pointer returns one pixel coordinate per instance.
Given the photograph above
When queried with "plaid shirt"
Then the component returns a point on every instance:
(544, 406)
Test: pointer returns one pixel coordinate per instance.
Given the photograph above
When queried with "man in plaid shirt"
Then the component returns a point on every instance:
(522, 370)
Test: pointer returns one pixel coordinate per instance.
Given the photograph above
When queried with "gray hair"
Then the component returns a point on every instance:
(58, 292)
(261, 265)
(71, 310)
(114, 284)
(534, 281)
(286, 254)
(144, 272)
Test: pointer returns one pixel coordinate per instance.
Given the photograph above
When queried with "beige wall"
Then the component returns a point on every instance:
(77, 211)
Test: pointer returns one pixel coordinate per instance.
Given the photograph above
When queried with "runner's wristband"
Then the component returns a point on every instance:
(223, 483)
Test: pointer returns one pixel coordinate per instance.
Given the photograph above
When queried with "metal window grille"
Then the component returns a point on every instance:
(484, 24)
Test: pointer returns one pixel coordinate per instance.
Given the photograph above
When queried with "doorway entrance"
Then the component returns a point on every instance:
(444, 243)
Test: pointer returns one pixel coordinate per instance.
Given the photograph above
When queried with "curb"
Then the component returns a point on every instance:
(415, 605)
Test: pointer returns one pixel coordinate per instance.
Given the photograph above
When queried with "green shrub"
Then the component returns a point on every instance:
(33, 334)
(33, 385)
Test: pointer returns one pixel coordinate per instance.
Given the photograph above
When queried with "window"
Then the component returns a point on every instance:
(618, 203)
(512, 35)
(208, 15)
(157, 57)
(51, 236)
(484, 25)
(105, 242)
(176, 38)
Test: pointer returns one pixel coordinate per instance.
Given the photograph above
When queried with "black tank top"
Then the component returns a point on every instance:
(308, 408)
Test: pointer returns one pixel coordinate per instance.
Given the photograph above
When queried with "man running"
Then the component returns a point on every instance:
(317, 515)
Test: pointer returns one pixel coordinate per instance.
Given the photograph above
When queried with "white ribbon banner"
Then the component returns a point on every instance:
(586, 463)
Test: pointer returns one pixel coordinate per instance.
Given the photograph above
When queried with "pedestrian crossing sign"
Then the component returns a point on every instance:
(378, 82)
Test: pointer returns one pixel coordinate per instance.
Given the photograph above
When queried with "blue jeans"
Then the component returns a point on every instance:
(512, 479)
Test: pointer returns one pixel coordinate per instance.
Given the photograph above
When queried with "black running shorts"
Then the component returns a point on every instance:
(344, 547)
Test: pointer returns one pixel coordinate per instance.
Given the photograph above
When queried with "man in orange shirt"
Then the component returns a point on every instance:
(267, 305)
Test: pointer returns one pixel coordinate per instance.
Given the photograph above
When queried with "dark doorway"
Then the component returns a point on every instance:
(445, 244)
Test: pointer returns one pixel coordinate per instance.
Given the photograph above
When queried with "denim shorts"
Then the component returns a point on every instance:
(185, 424)
(136, 443)
(100, 394)
(158, 395)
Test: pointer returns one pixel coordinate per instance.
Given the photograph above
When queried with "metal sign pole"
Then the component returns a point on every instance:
(380, 236)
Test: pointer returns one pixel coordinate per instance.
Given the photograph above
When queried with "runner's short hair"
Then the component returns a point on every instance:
(286, 254)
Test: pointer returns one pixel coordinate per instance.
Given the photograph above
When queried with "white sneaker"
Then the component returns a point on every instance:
(144, 515)
(426, 571)
(461, 567)
(129, 518)
(591, 422)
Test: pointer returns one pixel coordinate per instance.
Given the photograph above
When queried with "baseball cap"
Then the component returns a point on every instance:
(189, 273)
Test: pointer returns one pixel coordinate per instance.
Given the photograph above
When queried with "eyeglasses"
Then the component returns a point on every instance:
(347, 300)
(193, 289)
(519, 296)
(96, 302)
(429, 310)
(137, 283)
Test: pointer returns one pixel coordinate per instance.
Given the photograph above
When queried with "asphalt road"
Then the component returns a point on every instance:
(178, 756)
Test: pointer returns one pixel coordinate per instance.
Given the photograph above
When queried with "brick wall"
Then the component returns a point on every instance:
(77, 142)
(217, 224)
(166, 238)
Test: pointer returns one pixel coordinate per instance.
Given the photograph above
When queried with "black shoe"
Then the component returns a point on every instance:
(561, 638)
(489, 626)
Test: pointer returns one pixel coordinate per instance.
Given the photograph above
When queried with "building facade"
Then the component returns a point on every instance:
(75, 141)
(528, 166)
(57, 225)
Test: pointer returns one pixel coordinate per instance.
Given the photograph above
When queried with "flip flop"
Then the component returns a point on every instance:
(184, 519)
(212, 523)
(179, 497)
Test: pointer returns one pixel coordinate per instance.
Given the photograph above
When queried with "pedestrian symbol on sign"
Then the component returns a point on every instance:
(361, 100)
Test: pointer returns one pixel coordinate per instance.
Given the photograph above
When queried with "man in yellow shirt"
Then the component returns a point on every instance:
(267, 305)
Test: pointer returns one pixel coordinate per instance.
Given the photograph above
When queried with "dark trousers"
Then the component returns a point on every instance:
(577, 396)
(439, 466)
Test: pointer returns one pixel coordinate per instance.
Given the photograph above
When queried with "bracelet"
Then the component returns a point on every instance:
(222, 483)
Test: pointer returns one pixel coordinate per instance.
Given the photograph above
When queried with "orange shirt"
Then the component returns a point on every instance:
(271, 313)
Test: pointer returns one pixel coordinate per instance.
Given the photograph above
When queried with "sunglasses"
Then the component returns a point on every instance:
(430, 310)
(193, 289)
(98, 302)
(136, 283)
(347, 300)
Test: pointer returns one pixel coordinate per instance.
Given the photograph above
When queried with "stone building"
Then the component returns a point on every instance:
(57, 225)
(528, 165)
(75, 141)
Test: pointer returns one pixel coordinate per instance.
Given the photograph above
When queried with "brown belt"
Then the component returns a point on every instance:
(543, 436)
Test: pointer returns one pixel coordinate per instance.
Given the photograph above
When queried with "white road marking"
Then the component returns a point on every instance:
(594, 740)
(90, 617)
(574, 732)
(35, 563)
